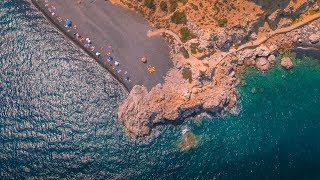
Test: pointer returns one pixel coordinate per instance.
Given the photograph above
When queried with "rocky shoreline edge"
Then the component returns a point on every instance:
(196, 86)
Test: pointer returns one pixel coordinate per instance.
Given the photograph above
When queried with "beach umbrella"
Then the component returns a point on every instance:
(110, 57)
(151, 69)
(68, 23)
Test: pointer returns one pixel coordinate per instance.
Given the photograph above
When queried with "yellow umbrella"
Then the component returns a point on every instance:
(151, 69)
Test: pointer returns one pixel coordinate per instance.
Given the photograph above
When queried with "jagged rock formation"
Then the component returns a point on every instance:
(193, 89)
(263, 64)
(286, 63)
(314, 38)
(206, 81)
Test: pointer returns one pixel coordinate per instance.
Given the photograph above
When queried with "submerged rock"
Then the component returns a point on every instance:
(286, 63)
(188, 141)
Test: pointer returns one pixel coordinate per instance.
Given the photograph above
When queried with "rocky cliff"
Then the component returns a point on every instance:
(204, 78)
(194, 88)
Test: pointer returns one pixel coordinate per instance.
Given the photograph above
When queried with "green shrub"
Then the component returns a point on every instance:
(187, 74)
(184, 2)
(186, 35)
(150, 4)
(222, 22)
(164, 6)
(184, 52)
(194, 7)
(173, 5)
(179, 17)
(194, 48)
(313, 12)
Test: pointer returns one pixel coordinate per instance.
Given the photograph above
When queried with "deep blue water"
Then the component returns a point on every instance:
(58, 118)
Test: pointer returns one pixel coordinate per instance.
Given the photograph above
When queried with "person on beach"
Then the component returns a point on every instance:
(98, 54)
(88, 40)
(126, 77)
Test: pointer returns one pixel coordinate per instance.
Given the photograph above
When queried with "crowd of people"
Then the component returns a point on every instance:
(102, 53)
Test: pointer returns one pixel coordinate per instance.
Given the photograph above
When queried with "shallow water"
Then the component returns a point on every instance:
(58, 118)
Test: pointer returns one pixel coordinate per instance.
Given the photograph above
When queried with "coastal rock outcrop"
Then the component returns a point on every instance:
(262, 64)
(206, 81)
(314, 38)
(286, 63)
(211, 90)
(263, 51)
(272, 58)
(140, 125)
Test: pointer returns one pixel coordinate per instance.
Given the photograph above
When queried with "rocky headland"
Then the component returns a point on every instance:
(209, 57)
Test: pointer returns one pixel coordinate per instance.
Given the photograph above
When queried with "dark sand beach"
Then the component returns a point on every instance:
(112, 29)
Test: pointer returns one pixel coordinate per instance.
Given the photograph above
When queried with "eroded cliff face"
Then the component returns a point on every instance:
(204, 80)
(193, 88)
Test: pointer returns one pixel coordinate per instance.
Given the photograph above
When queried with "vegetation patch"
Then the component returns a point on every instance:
(313, 12)
(194, 7)
(222, 22)
(186, 34)
(150, 4)
(296, 19)
(194, 48)
(179, 17)
(173, 5)
(187, 74)
(184, 52)
(164, 6)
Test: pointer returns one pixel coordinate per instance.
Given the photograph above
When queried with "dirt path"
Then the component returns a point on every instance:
(252, 44)
(174, 35)
(261, 40)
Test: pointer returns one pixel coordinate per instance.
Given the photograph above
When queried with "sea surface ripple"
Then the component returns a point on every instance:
(58, 118)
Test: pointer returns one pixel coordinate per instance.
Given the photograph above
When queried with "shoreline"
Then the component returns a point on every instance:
(77, 43)
(195, 86)
(113, 31)
(310, 52)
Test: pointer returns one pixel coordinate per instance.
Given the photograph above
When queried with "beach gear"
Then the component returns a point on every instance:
(110, 57)
(116, 63)
(144, 60)
(88, 40)
(68, 23)
(126, 77)
(151, 69)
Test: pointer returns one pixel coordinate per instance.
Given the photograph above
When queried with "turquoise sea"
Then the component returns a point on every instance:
(58, 118)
